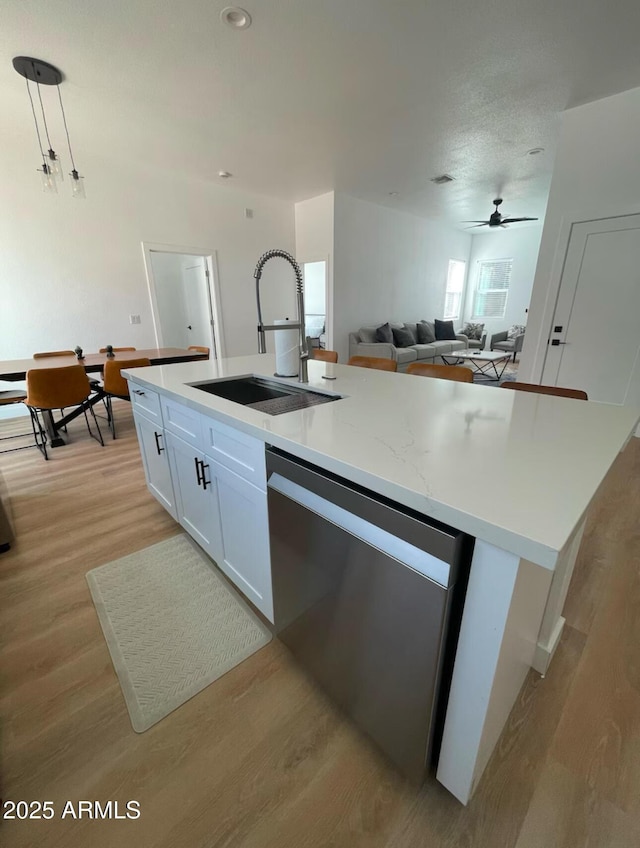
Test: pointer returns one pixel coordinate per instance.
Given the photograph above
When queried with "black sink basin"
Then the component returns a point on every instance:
(264, 395)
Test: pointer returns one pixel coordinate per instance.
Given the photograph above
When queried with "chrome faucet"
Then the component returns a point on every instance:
(299, 325)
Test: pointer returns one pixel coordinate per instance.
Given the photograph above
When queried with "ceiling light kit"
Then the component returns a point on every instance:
(235, 17)
(224, 175)
(42, 73)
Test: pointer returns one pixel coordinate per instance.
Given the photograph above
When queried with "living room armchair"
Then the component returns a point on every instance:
(501, 341)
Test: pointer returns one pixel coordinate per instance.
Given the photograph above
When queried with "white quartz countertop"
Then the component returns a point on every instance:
(515, 469)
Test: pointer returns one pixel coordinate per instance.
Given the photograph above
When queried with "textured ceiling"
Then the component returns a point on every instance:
(358, 96)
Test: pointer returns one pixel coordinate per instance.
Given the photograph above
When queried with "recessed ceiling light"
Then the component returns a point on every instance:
(224, 175)
(535, 150)
(442, 179)
(394, 193)
(235, 17)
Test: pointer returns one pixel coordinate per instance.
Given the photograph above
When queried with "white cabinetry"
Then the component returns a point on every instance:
(151, 439)
(244, 521)
(195, 491)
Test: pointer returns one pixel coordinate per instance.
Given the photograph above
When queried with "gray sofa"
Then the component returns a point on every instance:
(363, 343)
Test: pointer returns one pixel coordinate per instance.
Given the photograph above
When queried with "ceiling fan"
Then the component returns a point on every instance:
(496, 219)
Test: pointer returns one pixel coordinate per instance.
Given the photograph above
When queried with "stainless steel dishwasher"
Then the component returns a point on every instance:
(367, 597)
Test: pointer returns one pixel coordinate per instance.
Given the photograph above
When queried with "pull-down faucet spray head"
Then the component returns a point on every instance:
(299, 325)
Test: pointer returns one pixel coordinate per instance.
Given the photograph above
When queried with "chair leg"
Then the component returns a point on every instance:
(42, 444)
(110, 418)
(98, 438)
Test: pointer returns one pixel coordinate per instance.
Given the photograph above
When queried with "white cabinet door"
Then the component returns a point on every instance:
(245, 537)
(155, 461)
(196, 495)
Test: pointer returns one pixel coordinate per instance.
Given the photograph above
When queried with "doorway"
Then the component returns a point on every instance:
(184, 297)
(315, 301)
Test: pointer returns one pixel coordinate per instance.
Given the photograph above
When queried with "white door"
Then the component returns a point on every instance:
(197, 305)
(196, 494)
(245, 537)
(155, 461)
(595, 340)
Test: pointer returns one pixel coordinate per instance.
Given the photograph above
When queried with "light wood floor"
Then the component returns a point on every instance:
(261, 759)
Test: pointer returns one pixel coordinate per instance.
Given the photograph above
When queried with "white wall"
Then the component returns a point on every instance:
(314, 241)
(520, 244)
(388, 266)
(72, 271)
(596, 175)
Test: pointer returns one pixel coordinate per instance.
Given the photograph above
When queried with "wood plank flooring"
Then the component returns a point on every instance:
(261, 759)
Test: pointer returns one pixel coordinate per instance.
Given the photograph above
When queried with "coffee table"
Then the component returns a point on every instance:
(482, 361)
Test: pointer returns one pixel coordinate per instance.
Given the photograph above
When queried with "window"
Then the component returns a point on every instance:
(455, 286)
(492, 288)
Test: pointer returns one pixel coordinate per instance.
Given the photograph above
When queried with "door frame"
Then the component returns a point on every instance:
(211, 260)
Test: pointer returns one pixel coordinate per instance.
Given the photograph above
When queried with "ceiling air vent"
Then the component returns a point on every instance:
(442, 179)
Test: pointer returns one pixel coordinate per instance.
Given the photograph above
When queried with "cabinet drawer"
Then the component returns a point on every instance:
(145, 401)
(237, 451)
(183, 422)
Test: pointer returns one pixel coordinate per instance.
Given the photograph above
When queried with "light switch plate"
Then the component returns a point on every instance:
(134, 319)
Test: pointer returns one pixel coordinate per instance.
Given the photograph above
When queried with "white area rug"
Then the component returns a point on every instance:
(172, 624)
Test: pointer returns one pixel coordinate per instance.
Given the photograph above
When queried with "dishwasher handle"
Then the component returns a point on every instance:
(439, 540)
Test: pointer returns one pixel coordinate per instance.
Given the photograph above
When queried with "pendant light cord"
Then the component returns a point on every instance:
(35, 121)
(44, 118)
(64, 119)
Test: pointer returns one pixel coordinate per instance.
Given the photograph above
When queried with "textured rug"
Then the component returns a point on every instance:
(172, 625)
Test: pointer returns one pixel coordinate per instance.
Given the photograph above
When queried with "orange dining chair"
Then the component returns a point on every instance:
(324, 355)
(200, 349)
(6, 399)
(45, 353)
(577, 394)
(58, 388)
(116, 349)
(442, 372)
(376, 362)
(115, 385)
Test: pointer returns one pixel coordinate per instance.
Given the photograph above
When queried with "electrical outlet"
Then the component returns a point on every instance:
(134, 319)
(248, 213)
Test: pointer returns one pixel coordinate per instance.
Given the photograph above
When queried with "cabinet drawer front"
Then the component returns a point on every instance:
(237, 451)
(145, 401)
(183, 422)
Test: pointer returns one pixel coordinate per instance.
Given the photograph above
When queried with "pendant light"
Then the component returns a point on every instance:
(42, 73)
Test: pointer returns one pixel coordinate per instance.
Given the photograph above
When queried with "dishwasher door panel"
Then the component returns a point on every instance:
(367, 627)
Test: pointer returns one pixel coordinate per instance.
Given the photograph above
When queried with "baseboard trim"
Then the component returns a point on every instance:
(544, 653)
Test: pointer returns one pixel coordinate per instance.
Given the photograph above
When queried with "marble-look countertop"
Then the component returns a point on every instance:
(518, 470)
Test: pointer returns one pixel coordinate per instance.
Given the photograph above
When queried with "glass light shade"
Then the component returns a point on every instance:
(55, 166)
(77, 185)
(49, 184)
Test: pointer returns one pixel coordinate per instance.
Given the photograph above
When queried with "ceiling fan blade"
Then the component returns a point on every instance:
(516, 220)
(475, 226)
(474, 222)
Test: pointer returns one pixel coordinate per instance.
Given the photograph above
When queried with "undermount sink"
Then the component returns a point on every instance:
(264, 395)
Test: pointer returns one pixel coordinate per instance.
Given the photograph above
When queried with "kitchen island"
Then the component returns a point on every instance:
(515, 471)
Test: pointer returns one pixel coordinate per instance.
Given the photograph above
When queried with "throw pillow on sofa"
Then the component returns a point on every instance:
(514, 331)
(384, 333)
(444, 331)
(473, 331)
(403, 337)
(426, 333)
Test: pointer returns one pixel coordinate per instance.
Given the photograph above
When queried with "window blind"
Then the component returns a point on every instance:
(492, 288)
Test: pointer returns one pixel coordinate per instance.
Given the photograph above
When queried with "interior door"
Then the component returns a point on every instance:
(595, 342)
(197, 305)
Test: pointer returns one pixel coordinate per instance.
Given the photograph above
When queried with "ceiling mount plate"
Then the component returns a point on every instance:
(37, 71)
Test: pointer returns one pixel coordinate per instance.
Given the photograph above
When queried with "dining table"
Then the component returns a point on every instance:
(17, 369)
